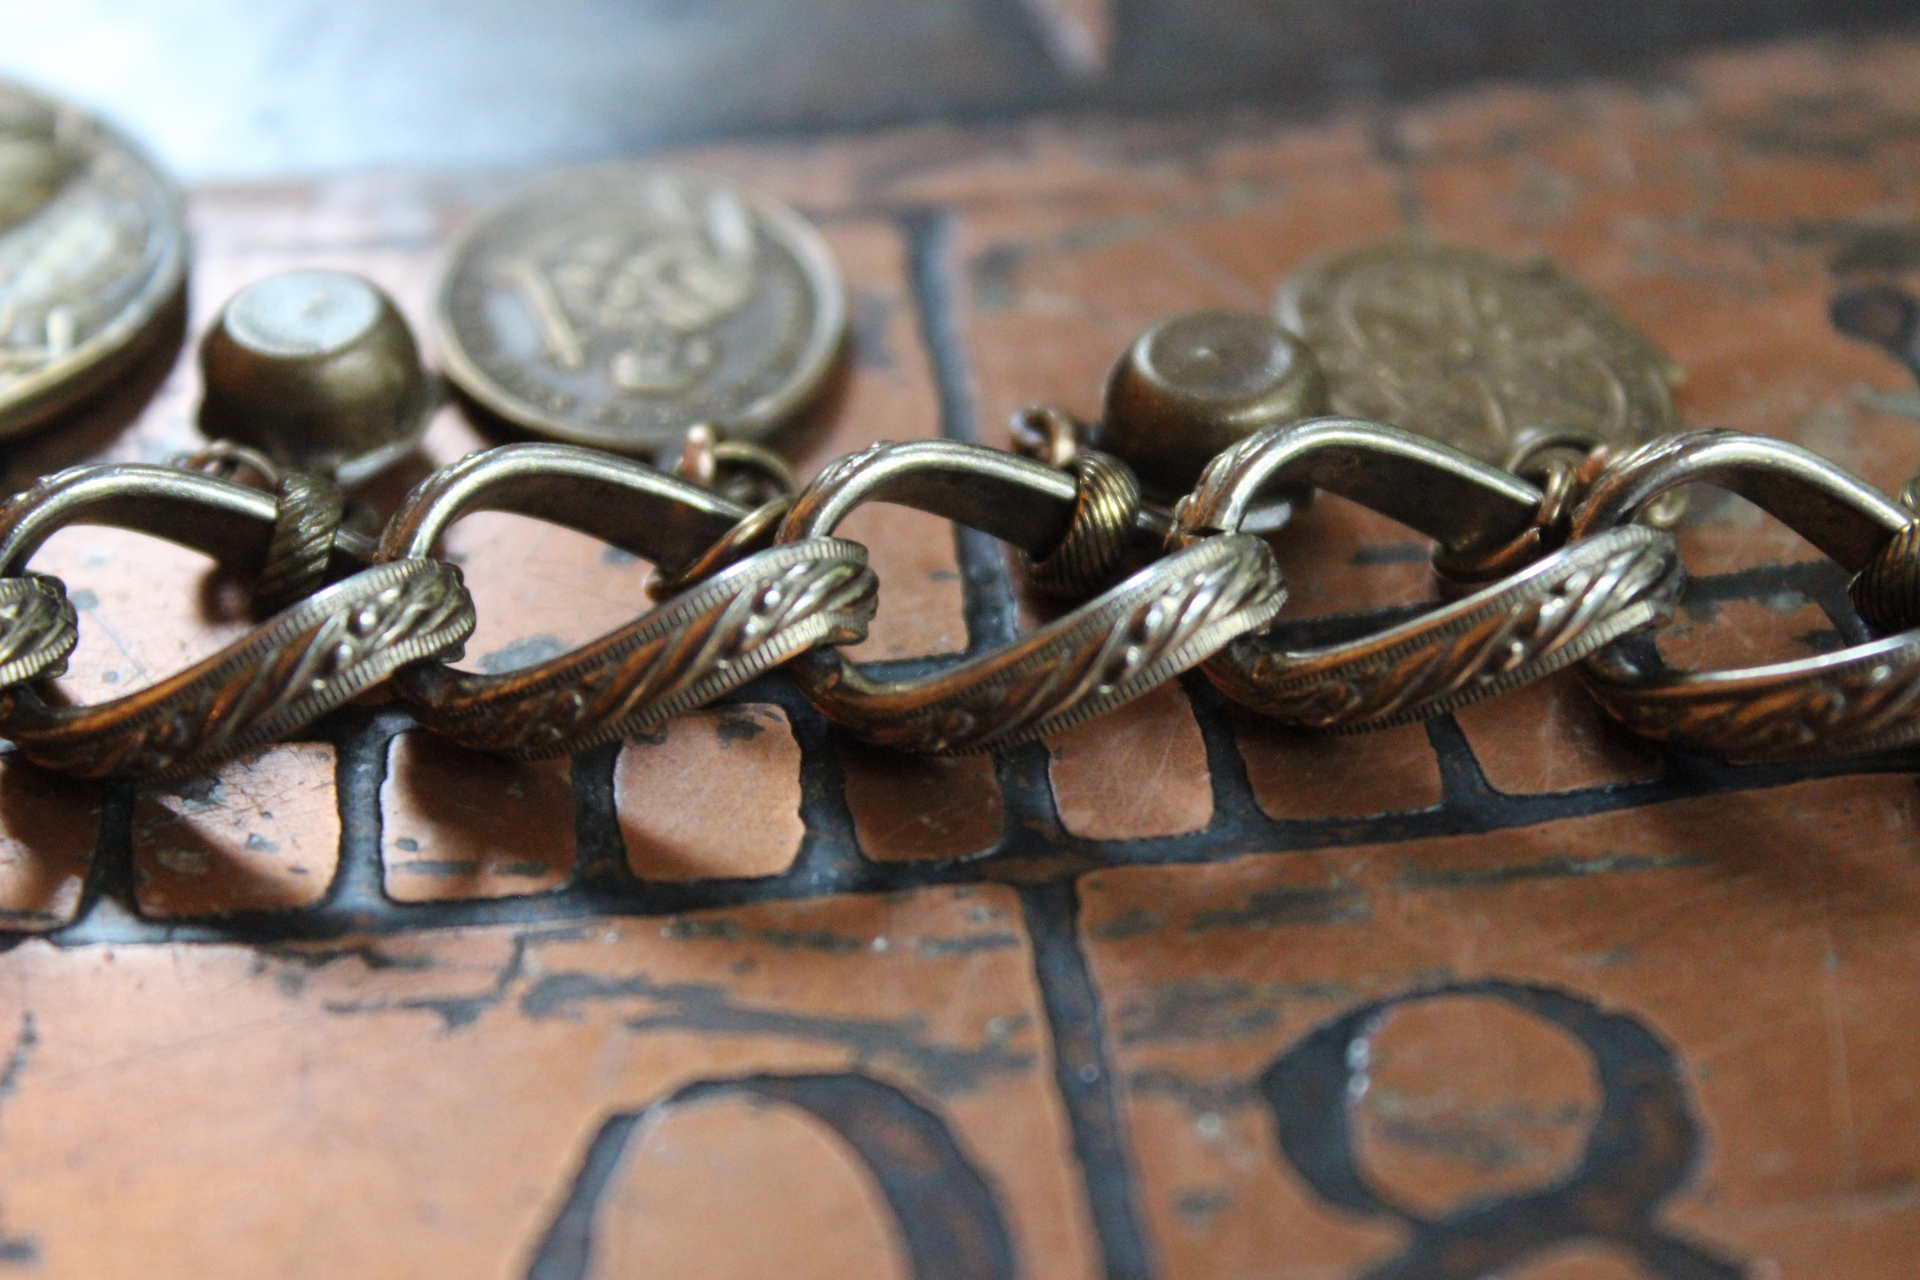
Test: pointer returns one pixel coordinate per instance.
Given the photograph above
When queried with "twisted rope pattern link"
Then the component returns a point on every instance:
(1093, 554)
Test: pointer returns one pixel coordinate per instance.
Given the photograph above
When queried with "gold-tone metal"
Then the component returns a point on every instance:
(1866, 697)
(1529, 624)
(316, 370)
(315, 656)
(1047, 433)
(1480, 352)
(93, 256)
(617, 306)
(736, 469)
(38, 628)
(748, 617)
(1095, 554)
(1149, 628)
(1194, 384)
(1886, 591)
(754, 532)
(310, 512)
(228, 460)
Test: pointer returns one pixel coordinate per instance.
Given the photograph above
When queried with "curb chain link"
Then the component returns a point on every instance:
(1539, 573)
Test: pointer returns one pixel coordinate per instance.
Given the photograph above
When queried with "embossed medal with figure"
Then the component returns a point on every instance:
(1497, 358)
(618, 306)
(92, 256)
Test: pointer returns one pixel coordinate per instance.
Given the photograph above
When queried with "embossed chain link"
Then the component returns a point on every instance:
(1553, 575)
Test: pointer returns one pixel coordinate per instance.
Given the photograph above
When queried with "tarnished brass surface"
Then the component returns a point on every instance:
(317, 370)
(279, 678)
(370, 1004)
(1094, 553)
(1521, 628)
(708, 641)
(1866, 697)
(38, 628)
(284, 674)
(93, 256)
(1196, 383)
(1478, 351)
(617, 306)
(1158, 623)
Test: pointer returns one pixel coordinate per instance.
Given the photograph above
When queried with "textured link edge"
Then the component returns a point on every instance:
(1865, 698)
(1529, 626)
(1160, 622)
(281, 676)
(38, 628)
(751, 617)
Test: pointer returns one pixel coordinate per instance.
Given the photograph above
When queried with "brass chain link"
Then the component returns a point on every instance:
(1544, 571)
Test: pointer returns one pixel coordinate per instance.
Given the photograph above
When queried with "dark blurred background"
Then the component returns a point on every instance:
(257, 87)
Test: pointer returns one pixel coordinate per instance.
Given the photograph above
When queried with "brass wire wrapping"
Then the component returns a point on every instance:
(310, 511)
(1089, 559)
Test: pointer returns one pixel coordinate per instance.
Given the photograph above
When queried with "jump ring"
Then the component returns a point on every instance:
(753, 533)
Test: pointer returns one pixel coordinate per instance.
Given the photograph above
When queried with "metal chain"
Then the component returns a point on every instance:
(1566, 571)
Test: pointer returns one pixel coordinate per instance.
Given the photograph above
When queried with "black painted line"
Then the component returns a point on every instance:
(1463, 783)
(1084, 1077)
(1025, 776)
(1033, 847)
(362, 746)
(1081, 1072)
(1235, 807)
(107, 888)
(1030, 853)
(829, 858)
(599, 849)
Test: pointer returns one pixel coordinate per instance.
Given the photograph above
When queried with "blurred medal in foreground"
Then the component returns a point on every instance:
(93, 256)
(1500, 359)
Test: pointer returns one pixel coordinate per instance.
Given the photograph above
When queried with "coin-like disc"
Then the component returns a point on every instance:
(93, 253)
(616, 306)
(1491, 356)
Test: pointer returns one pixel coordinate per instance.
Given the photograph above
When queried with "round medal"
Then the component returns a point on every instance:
(619, 305)
(93, 256)
(1496, 358)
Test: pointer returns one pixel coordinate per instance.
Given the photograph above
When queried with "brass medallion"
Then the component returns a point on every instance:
(617, 306)
(1497, 358)
(93, 254)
